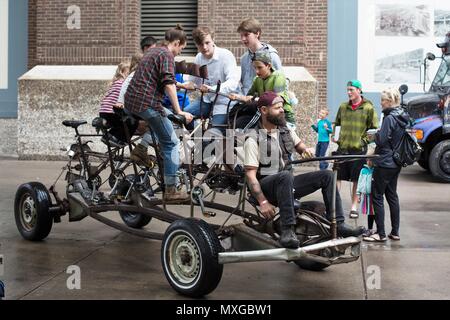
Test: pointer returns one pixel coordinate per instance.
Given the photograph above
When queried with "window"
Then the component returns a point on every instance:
(159, 15)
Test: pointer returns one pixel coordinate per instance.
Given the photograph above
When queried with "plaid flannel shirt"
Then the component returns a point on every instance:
(354, 125)
(146, 89)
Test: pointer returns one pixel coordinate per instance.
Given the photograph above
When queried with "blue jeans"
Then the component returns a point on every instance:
(194, 109)
(168, 142)
(321, 150)
(277, 188)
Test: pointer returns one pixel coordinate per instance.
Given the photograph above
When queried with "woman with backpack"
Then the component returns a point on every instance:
(386, 170)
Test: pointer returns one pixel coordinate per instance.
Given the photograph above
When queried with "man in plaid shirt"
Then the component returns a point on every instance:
(354, 117)
(153, 78)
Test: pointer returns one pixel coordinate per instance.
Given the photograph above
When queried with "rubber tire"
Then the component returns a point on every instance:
(314, 206)
(434, 161)
(42, 203)
(131, 219)
(311, 265)
(423, 164)
(208, 245)
(319, 208)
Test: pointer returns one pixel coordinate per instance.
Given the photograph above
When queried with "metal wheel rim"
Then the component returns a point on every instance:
(28, 213)
(184, 259)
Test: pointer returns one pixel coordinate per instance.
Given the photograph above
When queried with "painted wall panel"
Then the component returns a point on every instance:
(4, 44)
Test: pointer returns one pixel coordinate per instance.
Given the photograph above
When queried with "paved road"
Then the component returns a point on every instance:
(115, 265)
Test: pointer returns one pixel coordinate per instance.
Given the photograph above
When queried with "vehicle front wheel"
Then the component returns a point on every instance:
(189, 254)
(31, 211)
(440, 161)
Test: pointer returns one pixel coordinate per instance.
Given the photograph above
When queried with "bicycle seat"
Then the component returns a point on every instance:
(74, 123)
(177, 118)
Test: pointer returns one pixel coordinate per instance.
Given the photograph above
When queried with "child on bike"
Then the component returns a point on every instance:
(116, 134)
(183, 99)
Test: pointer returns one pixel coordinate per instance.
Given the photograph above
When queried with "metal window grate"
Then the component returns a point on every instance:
(159, 15)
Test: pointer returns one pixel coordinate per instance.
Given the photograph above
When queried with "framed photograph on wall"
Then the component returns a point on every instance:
(394, 38)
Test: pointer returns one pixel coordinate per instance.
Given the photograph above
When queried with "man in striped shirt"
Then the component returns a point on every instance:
(354, 117)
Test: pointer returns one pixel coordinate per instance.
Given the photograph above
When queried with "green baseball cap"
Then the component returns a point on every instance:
(355, 83)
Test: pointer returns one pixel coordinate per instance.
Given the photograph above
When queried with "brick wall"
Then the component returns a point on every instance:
(110, 32)
(296, 28)
(32, 33)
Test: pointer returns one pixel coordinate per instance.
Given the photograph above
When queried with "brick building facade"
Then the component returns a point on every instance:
(110, 31)
(296, 28)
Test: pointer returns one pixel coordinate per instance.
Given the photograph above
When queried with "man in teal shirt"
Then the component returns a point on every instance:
(324, 129)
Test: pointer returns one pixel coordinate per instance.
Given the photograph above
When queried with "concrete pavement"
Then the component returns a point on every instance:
(115, 265)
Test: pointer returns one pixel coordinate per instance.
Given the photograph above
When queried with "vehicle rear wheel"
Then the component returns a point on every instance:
(31, 211)
(311, 265)
(440, 161)
(424, 164)
(189, 254)
(311, 228)
(131, 219)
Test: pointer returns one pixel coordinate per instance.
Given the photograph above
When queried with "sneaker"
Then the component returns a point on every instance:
(344, 230)
(375, 238)
(368, 233)
(354, 214)
(394, 237)
(288, 238)
(172, 194)
(139, 154)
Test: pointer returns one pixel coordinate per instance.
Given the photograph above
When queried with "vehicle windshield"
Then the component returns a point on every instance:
(442, 77)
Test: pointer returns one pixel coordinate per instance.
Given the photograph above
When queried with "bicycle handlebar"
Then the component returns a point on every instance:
(350, 157)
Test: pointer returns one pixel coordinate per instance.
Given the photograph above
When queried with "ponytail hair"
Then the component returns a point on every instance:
(175, 34)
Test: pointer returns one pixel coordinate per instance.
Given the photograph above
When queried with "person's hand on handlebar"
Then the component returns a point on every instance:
(235, 96)
(186, 85)
(205, 88)
(189, 117)
(308, 153)
(118, 105)
(267, 210)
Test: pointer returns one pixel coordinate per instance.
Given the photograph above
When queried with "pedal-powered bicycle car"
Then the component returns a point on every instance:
(193, 251)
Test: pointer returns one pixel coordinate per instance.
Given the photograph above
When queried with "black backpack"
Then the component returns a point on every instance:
(408, 150)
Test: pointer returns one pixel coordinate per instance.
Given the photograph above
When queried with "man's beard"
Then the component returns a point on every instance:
(279, 120)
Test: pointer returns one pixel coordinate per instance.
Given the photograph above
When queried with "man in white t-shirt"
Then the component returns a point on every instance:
(267, 151)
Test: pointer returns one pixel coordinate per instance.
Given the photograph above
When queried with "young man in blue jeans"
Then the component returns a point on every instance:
(154, 77)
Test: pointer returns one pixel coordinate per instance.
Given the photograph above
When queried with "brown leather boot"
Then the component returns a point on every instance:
(173, 195)
(139, 155)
